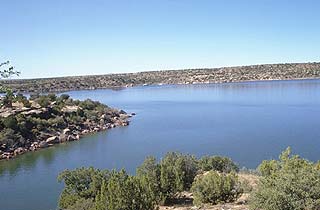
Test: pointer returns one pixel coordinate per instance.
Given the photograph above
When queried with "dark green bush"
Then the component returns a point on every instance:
(52, 97)
(123, 192)
(43, 101)
(64, 97)
(155, 183)
(108, 190)
(10, 138)
(177, 173)
(149, 174)
(10, 122)
(291, 183)
(83, 204)
(217, 163)
(87, 104)
(214, 187)
(82, 183)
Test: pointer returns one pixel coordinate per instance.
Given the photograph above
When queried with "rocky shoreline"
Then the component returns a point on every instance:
(18, 143)
(288, 71)
(72, 133)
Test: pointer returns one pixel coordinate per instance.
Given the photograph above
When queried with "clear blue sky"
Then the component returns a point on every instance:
(46, 38)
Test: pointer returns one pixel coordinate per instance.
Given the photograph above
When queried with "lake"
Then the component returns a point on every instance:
(248, 122)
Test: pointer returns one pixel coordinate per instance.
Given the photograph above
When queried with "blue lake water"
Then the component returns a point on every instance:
(248, 122)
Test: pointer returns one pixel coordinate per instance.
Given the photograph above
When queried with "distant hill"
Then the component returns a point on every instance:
(286, 71)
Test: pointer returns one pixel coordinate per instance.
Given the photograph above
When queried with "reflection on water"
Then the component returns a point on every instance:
(29, 160)
(247, 121)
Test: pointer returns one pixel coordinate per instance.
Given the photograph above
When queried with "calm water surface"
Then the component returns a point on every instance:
(247, 121)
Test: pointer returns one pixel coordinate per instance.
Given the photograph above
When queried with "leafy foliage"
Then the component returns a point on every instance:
(6, 71)
(82, 183)
(177, 173)
(26, 128)
(110, 190)
(8, 138)
(149, 175)
(83, 204)
(290, 183)
(215, 187)
(217, 163)
(154, 183)
(43, 101)
(126, 192)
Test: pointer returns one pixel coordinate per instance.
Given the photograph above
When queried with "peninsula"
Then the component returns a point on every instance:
(44, 120)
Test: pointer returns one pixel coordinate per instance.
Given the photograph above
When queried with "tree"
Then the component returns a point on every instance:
(80, 183)
(290, 183)
(149, 174)
(177, 173)
(101, 198)
(124, 192)
(217, 163)
(7, 71)
(108, 190)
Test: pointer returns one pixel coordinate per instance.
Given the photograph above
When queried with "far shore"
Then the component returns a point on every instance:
(254, 73)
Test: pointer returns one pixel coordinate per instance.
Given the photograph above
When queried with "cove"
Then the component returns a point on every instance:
(248, 122)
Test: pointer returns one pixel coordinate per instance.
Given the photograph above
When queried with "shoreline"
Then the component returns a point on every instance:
(51, 141)
(30, 125)
(215, 83)
(254, 73)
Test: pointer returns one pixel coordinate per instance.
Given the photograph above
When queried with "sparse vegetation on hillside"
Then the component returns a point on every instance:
(45, 120)
(187, 76)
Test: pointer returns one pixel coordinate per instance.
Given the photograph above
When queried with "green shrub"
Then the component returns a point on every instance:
(155, 183)
(268, 167)
(10, 138)
(82, 183)
(291, 183)
(24, 125)
(177, 173)
(52, 97)
(108, 190)
(8, 98)
(125, 192)
(22, 99)
(10, 122)
(214, 187)
(43, 101)
(64, 97)
(217, 163)
(87, 104)
(149, 175)
(83, 204)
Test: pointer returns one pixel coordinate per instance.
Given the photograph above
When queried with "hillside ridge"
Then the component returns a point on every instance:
(286, 71)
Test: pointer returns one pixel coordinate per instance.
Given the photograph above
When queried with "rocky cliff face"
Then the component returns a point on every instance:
(189, 76)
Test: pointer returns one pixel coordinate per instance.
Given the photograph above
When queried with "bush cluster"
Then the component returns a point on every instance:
(19, 129)
(215, 188)
(217, 163)
(290, 183)
(154, 183)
